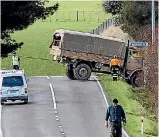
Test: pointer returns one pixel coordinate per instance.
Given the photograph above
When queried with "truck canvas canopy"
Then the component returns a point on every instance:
(71, 43)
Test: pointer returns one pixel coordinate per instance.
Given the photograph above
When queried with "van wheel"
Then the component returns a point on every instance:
(26, 101)
(2, 103)
(69, 72)
(82, 72)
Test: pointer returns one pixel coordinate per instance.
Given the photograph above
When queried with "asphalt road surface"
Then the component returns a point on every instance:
(80, 110)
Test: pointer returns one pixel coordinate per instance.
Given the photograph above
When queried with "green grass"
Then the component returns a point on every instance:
(38, 37)
(134, 110)
(36, 59)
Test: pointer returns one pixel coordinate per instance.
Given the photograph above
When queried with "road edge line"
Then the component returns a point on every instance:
(53, 96)
(1, 132)
(106, 100)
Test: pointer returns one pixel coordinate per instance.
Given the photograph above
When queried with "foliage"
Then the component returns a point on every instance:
(18, 15)
(133, 14)
(113, 7)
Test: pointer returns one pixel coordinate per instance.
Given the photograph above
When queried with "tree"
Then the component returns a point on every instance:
(113, 7)
(133, 15)
(18, 15)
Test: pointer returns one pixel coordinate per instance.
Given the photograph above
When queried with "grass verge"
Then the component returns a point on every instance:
(133, 108)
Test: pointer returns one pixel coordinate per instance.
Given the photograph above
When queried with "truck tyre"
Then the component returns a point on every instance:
(137, 79)
(82, 72)
(69, 72)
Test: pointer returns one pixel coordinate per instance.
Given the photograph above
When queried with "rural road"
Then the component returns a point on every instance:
(69, 109)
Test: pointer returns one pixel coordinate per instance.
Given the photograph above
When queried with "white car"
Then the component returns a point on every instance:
(13, 86)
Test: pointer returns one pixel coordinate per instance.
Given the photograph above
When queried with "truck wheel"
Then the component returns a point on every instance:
(137, 79)
(82, 72)
(69, 72)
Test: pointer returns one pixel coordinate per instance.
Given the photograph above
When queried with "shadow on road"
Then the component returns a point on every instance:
(16, 103)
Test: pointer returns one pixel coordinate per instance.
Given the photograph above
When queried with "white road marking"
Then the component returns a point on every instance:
(107, 101)
(102, 91)
(53, 96)
(1, 133)
(47, 77)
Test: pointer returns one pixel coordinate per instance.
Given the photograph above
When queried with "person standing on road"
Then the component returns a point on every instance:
(15, 61)
(116, 115)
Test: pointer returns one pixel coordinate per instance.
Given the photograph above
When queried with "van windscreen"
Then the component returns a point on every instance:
(12, 81)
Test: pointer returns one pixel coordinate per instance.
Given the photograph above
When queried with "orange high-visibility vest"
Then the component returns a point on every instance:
(115, 62)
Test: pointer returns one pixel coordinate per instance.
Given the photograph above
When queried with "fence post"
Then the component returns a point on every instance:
(142, 125)
(83, 15)
(69, 16)
(113, 21)
(77, 15)
(103, 26)
(98, 30)
(108, 23)
(63, 16)
(56, 17)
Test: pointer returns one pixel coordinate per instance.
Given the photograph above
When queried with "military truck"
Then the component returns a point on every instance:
(84, 53)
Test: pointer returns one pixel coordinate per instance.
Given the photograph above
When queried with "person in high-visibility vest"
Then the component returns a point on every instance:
(15, 61)
(114, 63)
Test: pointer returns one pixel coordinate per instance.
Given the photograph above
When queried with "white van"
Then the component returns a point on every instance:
(13, 86)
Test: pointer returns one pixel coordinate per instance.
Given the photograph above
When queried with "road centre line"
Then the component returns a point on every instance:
(53, 96)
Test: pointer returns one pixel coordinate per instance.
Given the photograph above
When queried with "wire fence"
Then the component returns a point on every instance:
(78, 15)
(105, 25)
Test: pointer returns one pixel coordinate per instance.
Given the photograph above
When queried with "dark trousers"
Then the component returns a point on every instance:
(113, 71)
(116, 129)
(114, 66)
(15, 67)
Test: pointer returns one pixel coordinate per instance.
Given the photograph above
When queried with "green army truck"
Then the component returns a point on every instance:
(85, 53)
